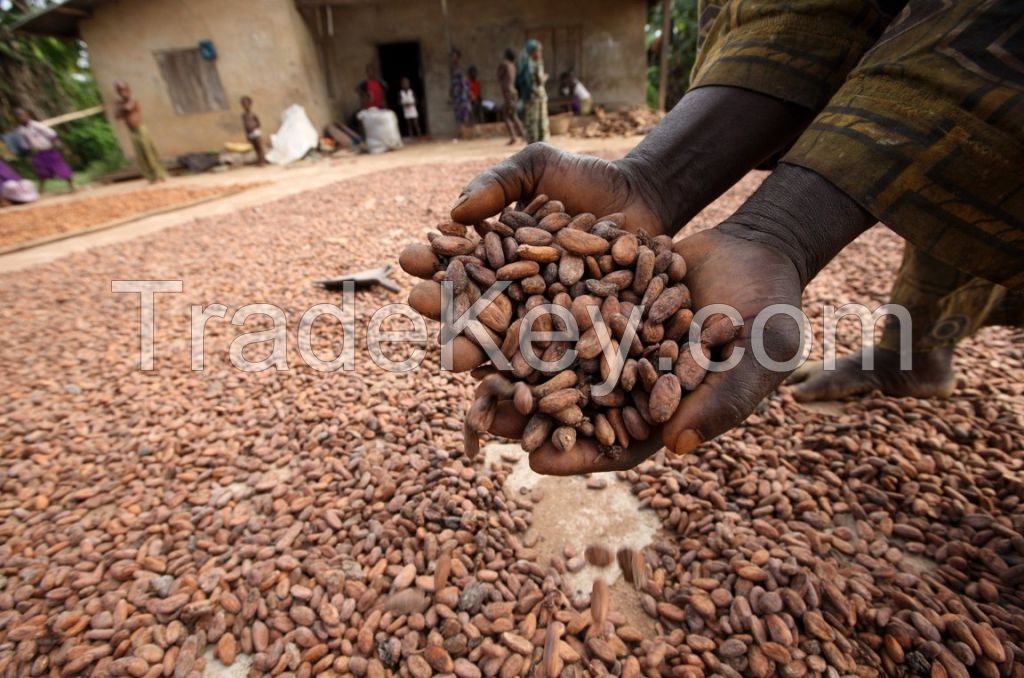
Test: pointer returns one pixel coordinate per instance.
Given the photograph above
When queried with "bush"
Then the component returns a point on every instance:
(90, 143)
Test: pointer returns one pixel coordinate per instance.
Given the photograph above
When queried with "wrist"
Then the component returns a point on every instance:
(708, 142)
(646, 184)
(802, 215)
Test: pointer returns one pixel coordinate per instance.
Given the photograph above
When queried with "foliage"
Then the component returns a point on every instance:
(682, 54)
(48, 77)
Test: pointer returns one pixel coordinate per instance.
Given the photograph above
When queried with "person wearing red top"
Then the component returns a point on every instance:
(372, 92)
(474, 93)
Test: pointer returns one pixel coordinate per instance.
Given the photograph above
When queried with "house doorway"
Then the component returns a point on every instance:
(402, 60)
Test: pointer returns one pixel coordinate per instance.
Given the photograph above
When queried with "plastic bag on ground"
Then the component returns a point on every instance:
(294, 139)
(380, 127)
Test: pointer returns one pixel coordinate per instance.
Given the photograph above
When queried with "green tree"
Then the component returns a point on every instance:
(49, 76)
(683, 48)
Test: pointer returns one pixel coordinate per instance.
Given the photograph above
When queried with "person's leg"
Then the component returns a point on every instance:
(140, 156)
(261, 156)
(41, 170)
(532, 122)
(518, 123)
(149, 157)
(945, 306)
(508, 112)
(545, 127)
(62, 169)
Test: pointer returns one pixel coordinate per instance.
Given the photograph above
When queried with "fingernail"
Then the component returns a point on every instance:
(686, 441)
(462, 198)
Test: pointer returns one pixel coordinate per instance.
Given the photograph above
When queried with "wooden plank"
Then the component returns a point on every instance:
(666, 43)
(75, 115)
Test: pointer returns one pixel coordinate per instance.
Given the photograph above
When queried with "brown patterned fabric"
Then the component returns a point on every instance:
(922, 124)
(946, 305)
(795, 50)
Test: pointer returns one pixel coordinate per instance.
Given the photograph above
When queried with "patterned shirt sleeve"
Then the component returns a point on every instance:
(799, 51)
(927, 134)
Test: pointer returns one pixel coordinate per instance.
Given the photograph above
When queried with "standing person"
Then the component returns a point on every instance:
(474, 94)
(531, 79)
(41, 142)
(251, 123)
(407, 98)
(145, 153)
(461, 99)
(510, 111)
(372, 91)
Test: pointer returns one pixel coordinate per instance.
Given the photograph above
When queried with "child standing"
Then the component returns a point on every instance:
(251, 123)
(41, 141)
(148, 159)
(408, 100)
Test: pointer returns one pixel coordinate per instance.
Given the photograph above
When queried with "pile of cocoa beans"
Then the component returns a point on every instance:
(582, 264)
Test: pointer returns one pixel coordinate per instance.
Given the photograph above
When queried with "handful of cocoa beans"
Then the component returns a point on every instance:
(614, 297)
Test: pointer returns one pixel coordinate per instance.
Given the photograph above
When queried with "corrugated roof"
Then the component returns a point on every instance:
(60, 20)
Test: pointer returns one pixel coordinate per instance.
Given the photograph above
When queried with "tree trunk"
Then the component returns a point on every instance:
(666, 42)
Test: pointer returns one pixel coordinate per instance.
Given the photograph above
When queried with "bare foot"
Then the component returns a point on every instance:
(931, 376)
(511, 142)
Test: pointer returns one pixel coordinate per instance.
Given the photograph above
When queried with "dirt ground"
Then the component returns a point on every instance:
(300, 522)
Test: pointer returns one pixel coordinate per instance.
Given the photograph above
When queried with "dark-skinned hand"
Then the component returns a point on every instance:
(763, 255)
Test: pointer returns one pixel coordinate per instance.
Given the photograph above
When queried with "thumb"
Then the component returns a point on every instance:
(511, 180)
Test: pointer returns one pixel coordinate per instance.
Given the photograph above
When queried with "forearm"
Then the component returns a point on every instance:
(802, 215)
(708, 142)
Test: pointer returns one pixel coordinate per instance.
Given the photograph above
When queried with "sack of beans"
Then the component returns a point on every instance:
(590, 335)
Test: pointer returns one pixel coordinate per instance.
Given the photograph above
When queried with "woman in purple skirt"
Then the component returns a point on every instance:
(41, 141)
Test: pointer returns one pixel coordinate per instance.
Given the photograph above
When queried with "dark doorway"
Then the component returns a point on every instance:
(402, 60)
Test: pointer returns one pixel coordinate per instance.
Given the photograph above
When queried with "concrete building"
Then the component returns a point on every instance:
(189, 61)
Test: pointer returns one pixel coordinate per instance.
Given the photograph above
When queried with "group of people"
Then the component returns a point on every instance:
(373, 94)
(523, 82)
(41, 143)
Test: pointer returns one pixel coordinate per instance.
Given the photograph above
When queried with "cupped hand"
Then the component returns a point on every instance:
(750, 277)
(582, 182)
(722, 269)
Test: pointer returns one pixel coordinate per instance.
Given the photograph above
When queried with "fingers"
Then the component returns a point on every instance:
(508, 422)
(585, 457)
(491, 191)
(722, 401)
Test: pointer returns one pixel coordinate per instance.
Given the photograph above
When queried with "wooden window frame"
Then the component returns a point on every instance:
(193, 83)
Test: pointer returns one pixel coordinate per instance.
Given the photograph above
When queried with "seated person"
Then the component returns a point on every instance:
(14, 189)
(571, 88)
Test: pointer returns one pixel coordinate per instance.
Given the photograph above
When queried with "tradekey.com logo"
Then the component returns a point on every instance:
(542, 325)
